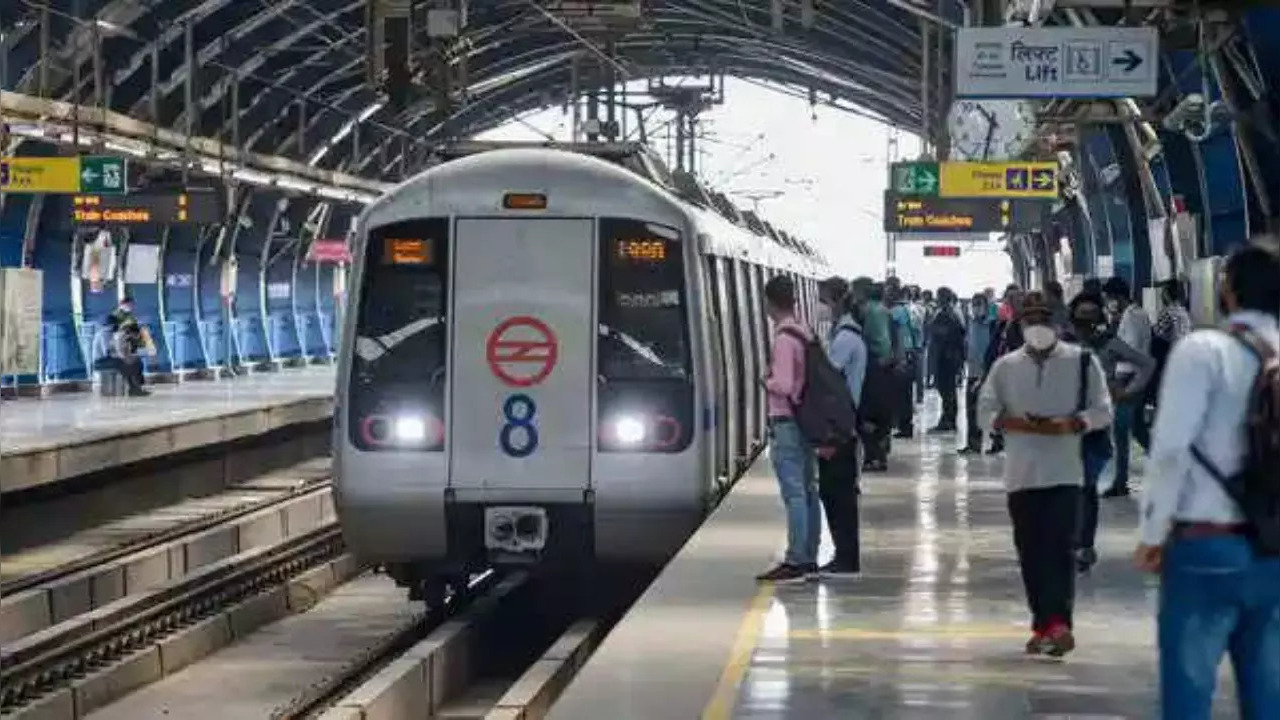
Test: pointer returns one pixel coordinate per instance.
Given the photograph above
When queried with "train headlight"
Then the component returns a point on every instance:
(629, 430)
(410, 430)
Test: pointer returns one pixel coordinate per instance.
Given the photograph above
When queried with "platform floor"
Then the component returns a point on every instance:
(933, 628)
(34, 424)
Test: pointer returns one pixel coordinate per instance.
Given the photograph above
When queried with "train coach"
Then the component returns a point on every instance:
(552, 356)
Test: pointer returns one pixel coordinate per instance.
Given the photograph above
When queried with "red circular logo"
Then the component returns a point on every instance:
(522, 351)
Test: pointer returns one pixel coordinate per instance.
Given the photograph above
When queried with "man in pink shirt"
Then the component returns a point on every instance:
(793, 460)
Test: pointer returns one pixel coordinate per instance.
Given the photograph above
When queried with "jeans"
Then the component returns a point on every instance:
(838, 490)
(1044, 533)
(794, 463)
(1217, 597)
(1130, 421)
(1093, 465)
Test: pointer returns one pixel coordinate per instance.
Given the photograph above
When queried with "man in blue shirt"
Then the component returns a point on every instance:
(838, 468)
(1217, 594)
(908, 334)
(977, 338)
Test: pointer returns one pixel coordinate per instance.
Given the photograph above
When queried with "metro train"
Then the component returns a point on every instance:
(552, 356)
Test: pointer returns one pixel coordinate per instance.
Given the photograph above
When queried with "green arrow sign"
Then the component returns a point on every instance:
(914, 178)
(103, 175)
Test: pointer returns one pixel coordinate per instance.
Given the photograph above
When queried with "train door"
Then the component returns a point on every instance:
(521, 399)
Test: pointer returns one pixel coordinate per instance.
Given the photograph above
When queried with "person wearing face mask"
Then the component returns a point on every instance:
(947, 350)
(1036, 397)
(838, 468)
(1133, 326)
(1089, 328)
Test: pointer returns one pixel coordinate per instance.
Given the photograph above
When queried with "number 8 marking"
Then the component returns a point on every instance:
(523, 421)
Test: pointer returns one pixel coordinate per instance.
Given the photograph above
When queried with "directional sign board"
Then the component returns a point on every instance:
(99, 174)
(103, 175)
(924, 214)
(199, 208)
(40, 175)
(999, 180)
(914, 178)
(1047, 62)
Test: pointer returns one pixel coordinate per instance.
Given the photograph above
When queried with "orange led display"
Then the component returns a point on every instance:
(408, 251)
(642, 250)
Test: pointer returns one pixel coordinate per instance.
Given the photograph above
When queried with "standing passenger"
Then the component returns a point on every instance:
(1219, 592)
(838, 469)
(879, 399)
(977, 338)
(946, 346)
(907, 359)
(1033, 396)
(793, 459)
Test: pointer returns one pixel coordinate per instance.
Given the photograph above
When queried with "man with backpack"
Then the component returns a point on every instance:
(790, 452)
(838, 467)
(1211, 506)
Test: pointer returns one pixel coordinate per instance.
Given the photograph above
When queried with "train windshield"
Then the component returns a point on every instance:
(642, 331)
(400, 351)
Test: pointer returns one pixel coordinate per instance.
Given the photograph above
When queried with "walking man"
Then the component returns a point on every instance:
(977, 338)
(1211, 505)
(1033, 395)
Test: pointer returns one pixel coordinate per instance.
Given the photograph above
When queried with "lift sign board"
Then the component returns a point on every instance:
(1053, 62)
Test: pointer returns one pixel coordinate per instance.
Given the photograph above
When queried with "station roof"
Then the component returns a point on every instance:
(511, 56)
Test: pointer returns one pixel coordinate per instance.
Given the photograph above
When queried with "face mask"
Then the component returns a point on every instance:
(824, 312)
(1039, 337)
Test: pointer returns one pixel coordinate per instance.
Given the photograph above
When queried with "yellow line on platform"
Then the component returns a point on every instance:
(725, 698)
(942, 632)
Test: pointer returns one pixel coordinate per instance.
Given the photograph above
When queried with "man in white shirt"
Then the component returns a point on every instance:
(1217, 593)
(1134, 330)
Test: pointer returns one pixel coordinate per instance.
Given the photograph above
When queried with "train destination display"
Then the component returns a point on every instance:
(157, 208)
(642, 250)
(925, 214)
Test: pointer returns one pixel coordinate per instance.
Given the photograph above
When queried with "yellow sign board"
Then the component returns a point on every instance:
(40, 174)
(999, 180)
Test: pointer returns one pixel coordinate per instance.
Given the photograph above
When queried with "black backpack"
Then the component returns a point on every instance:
(826, 413)
(1256, 487)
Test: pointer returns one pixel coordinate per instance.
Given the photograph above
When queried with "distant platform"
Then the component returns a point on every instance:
(47, 440)
(934, 627)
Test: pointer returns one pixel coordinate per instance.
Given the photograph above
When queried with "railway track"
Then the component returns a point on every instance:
(62, 665)
(49, 585)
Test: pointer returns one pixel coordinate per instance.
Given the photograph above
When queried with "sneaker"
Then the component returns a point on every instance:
(1086, 558)
(969, 450)
(1060, 641)
(1038, 644)
(838, 569)
(784, 574)
(812, 572)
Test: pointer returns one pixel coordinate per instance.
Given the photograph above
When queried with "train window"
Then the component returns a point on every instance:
(642, 352)
(401, 345)
(643, 327)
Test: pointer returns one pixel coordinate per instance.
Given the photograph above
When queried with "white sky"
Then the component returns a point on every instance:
(831, 168)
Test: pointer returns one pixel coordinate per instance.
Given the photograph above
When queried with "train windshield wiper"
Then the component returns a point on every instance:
(372, 349)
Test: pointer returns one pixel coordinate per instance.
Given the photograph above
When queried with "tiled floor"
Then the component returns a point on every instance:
(934, 627)
(29, 424)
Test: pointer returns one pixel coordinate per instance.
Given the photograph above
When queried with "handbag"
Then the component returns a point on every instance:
(1095, 443)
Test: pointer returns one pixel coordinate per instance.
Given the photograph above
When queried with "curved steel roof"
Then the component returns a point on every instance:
(515, 57)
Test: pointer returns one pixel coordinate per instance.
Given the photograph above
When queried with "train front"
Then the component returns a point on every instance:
(520, 381)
